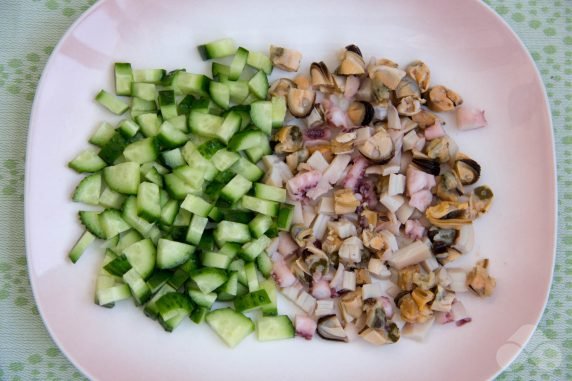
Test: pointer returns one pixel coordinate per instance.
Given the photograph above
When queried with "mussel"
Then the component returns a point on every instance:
(360, 113)
(321, 77)
(447, 214)
(420, 72)
(449, 186)
(441, 98)
(285, 59)
(379, 147)
(280, 87)
(351, 62)
(300, 101)
(330, 328)
(468, 170)
(289, 139)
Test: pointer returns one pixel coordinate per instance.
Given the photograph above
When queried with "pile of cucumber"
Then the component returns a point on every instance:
(184, 218)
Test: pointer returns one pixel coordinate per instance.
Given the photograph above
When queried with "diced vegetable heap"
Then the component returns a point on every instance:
(186, 220)
(360, 197)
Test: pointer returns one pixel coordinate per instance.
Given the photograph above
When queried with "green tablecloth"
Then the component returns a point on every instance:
(29, 29)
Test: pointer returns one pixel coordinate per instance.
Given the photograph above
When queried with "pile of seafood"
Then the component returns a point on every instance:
(384, 199)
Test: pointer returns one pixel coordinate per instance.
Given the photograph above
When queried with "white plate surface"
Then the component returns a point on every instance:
(468, 48)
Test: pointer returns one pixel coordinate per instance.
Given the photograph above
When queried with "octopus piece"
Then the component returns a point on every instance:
(298, 185)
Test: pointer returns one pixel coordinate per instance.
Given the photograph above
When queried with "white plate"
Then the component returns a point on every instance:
(467, 46)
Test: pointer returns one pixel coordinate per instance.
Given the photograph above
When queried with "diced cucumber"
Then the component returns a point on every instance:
(172, 305)
(220, 94)
(173, 158)
(259, 85)
(171, 137)
(111, 102)
(141, 106)
(195, 160)
(148, 201)
(123, 178)
(169, 212)
(216, 260)
(196, 205)
(202, 299)
(171, 254)
(196, 229)
(150, 309)
(251, 301)
(180, 123)
(209, 148)
(251, 277)
(271, 308)
(209, 279)
(145, 91)
(109, 295)
(199, 314)
(228, 290)
(285, 217)
(167, 80)
(112, 223)
(157, 280)
(149, 75)
(118, 266)
(220, 70)
(137, 285)
(247, 139)
(238, 90)
(224, 159)
(251, 250)
(88, 190)
(264, 263)
(261, 115)
(270, 328)
(81, 245)
(247, 170)
(132, 218)
(269, 192)
(260, 224)
(178, 278)
(227, 231)
(254, 154)
(128, 128)
(215, 214)
(123, 78)
(127, 239)
(87, 161)
(167, 104)
(238, 63)
(230, 125)
(269, 208)
(149, 123)
(236, 188)
(90, 220)
(142, 256)
(231, 326)
(177, 187)
(217, 49)
(259, 61)
(142, 151)
(194, 84)
(278, 111)
(204, 124)
(102, 135)
(194, 177)
(113, 148)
